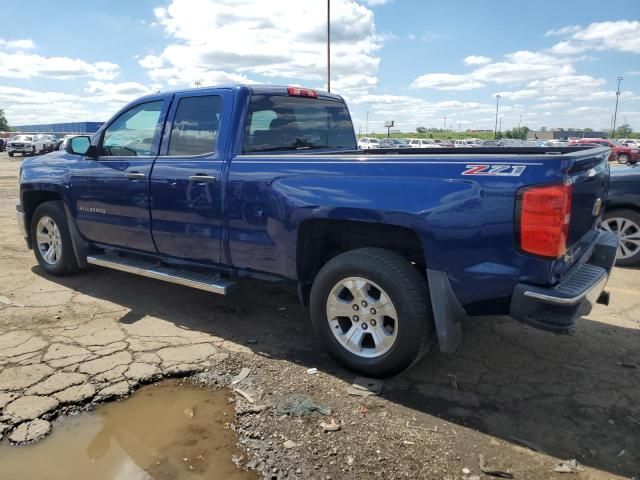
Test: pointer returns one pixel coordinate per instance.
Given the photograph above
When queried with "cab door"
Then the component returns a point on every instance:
(186, 181)
(110, 193)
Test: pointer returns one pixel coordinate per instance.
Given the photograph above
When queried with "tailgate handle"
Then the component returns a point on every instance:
(134, 175)
(200, 178)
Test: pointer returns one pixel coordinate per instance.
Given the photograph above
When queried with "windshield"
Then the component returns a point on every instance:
(296, 123)
(22, 138)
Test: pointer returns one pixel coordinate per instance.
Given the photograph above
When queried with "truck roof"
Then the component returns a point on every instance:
(259, 89)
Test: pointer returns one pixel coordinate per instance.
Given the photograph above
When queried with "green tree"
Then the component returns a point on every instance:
(624, 131)
(519, 132)
(421, 130)
(588, 130)
(4, 124)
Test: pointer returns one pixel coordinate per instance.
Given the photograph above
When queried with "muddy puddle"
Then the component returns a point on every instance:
(165, 431)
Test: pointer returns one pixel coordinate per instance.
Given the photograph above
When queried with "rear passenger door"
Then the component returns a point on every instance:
(186, 185)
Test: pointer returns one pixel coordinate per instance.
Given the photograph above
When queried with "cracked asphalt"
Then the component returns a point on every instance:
(524, 397)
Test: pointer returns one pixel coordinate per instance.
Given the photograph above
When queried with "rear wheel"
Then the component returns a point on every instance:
(626, 224)
(371, 309)
(51, 240)
(623, 158)
(11, 154)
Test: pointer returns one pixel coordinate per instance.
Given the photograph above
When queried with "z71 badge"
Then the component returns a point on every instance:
(495, 170)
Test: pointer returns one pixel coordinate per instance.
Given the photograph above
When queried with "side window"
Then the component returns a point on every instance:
(132, 133)
(195, 126)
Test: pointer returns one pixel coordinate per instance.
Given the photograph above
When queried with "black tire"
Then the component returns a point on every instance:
(408, 292)
(33, 151)
(633, 217)
(66, 264)
(11, 154)
(623, 158)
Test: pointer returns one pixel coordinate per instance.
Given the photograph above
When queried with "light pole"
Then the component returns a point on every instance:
(495, 131)
(520, 121)
(366, 125)
(328, 45)
(615, 113)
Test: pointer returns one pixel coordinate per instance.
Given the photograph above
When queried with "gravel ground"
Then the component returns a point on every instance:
(523, 399)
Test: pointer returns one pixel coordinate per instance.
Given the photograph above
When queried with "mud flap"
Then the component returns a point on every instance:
(80, 245)
(447, 311)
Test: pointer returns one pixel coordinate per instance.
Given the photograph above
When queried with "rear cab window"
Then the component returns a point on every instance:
(280, 123)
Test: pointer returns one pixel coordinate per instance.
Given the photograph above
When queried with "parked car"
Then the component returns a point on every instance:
(26, 145)
(630, 142)
(393, 143)
(366, 143)
(622, 153)
(49, 142)
(54, 142)
(3, 144)
(391, 251)
(422, 143)
(462, 143)
(622, 214)
(444, 143)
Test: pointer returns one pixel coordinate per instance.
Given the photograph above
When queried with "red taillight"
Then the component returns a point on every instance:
(545, 214)
(302, 92)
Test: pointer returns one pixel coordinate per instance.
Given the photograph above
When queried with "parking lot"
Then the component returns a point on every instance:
(523, 399)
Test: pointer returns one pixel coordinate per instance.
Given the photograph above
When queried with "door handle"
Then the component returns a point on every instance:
(202, 178)
(134, 175)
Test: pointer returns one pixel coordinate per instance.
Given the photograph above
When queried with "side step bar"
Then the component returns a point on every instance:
(209, 283)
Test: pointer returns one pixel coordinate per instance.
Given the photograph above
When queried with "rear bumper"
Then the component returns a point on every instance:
(556, 308)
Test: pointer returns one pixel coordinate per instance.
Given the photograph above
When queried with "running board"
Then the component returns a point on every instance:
(202, 281)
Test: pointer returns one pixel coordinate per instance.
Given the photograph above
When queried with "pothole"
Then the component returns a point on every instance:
(171, 430)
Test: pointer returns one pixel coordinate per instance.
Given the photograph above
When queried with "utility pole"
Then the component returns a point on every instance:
(495, 131)
(444, 124)
(615, 113)
(520, 121)
(366, 127)
(500, 130)
(328, 45)
(458, 127)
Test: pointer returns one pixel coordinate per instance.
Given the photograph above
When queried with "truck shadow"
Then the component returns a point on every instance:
(569, 396)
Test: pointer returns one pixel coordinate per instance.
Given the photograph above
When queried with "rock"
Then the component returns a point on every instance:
(118, 390)
(29, 407)
(147, 357)
(364, 387)
(56, 382)
(142, 372)
(76, 394)
(111, 375)
(17, 378)
(186, 354)
(103, 364)
(20, 343)
(290, 444)
(569, 466)
(109, 349)
(61, 350)
(30, 431)
(466, 471)
(6, 398)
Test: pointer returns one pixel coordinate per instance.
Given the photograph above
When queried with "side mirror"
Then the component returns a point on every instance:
(80, 146)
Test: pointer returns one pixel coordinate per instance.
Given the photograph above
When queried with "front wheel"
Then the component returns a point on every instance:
(626, 225)
(51, 240)
(371, 309)
(623, 158)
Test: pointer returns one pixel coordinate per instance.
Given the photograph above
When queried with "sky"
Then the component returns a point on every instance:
(419, 63)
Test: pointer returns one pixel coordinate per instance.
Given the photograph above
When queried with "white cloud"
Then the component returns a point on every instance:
(374, 3)
(23, 44)
(563, 31)
(27, 65)
(271, 42)
(116, 93)
(519, 94)
(476, 60)
(621, 35)
(446, 81)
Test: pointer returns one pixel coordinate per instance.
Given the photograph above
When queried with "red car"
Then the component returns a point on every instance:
(619, 152)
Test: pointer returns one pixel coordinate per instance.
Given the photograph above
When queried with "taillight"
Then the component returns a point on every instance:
(545, 215)
(302, 92)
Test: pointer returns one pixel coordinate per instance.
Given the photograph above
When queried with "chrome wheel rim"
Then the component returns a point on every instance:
(49, 241)
(628, 233)
(362, 317)
(623, 159)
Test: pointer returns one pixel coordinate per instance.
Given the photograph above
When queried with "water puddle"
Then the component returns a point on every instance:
(165, 431)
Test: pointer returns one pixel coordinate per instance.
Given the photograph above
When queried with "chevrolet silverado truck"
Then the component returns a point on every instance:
(392, 250)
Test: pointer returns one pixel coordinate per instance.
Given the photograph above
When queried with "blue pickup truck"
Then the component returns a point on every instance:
(391, 249)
